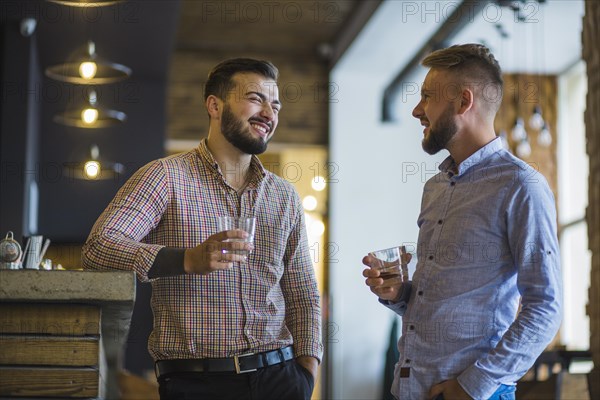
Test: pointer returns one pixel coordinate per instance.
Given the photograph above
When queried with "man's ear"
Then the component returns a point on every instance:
(214, 106)
(466, 100)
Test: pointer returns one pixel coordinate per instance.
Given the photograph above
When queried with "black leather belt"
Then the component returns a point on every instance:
(239, 364)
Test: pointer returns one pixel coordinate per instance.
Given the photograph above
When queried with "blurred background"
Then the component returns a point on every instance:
(91, 91)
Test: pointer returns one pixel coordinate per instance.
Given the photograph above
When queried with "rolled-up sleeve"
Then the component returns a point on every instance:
(116, 239)
(299, 285)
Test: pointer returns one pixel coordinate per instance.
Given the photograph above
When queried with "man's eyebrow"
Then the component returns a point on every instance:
(262, 96)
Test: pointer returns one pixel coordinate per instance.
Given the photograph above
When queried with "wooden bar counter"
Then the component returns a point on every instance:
(62, 332)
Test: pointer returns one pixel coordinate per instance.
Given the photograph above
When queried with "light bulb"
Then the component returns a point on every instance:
(89, 115)
(318, 183)
(524, 149)
(317, 228)
(518, 132)
(94, 152)
(544, 138)
(310, 203)
(536, 122)
(88, 69)
(91, 169)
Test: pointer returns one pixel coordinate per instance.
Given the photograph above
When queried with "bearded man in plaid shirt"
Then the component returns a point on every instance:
(226, 325)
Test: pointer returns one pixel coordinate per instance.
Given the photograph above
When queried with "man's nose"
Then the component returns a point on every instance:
(417, 111)
(268, 112)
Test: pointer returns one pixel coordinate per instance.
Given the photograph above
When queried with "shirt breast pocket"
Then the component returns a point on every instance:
(269, 247)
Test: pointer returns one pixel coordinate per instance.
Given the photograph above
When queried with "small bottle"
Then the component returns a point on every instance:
(46, 264)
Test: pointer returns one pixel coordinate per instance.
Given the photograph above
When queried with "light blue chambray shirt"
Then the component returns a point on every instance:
(487, 239)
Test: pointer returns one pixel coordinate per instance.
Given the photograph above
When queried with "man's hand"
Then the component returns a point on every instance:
(309, 363)
(374, 280)
(451, 390)
(214, 253)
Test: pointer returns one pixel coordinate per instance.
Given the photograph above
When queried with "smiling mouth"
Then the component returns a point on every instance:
(262, 128)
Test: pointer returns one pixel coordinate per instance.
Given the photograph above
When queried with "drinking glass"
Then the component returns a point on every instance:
(247, 224)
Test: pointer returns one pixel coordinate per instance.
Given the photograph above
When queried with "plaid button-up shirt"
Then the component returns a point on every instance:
(269, 302)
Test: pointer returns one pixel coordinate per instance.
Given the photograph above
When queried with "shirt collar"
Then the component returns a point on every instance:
(448, 165)
(258, 169)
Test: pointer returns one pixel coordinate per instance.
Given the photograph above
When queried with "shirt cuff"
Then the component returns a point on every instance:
(477, 384)
(312, 349)
(399, 306)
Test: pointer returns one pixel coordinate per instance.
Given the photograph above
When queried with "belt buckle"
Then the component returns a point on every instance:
(236, 362)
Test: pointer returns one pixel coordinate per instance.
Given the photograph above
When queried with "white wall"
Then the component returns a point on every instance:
(573, 171)
(375, 203)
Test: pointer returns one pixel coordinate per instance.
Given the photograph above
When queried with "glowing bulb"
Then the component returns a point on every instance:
(310, 203)
(89, 115)
(88, 69)
(544, 137)
(318, 183)
(524, 149)
(536, 121)
(518, 132)
(317, 228)
(91, 169)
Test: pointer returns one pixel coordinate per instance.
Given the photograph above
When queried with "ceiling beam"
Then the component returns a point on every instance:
(462, 15)
(353, 25)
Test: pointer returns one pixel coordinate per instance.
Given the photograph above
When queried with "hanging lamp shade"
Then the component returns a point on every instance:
(91, 115)
(94, 168)
(86, 3)
(89, 69)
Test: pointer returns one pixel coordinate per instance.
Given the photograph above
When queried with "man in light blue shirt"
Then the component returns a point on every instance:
(487, 245)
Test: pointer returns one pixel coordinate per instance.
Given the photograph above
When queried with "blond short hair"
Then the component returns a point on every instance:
(475, 66)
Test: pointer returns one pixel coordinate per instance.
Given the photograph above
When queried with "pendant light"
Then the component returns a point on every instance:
(89, 69)
(536, 121)
(544, 137)
(94, 168)
(91, 115)
(86, 3)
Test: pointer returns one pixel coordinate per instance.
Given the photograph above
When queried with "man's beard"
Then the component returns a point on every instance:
(439, 138)
(235, 133)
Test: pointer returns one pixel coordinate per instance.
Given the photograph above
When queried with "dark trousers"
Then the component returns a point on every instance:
(287, 380)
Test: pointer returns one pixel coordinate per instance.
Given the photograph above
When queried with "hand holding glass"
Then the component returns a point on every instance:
(247, 224)
(392, 266)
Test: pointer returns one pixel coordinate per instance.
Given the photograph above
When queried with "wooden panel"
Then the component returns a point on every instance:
(287, 26)
(46, 382)
(57, 351)
(591, 55)
(49, 319)
(521, 94)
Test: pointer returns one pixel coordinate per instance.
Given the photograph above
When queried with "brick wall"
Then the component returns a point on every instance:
(591, 55)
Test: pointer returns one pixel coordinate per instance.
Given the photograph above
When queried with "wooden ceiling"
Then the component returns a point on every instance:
(301, 28)
(302, 38)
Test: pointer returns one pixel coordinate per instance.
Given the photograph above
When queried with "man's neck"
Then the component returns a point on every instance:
(234, 164)
(466, 144)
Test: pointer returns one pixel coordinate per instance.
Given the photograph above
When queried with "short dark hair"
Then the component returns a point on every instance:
(219, 81)
(474, 64)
